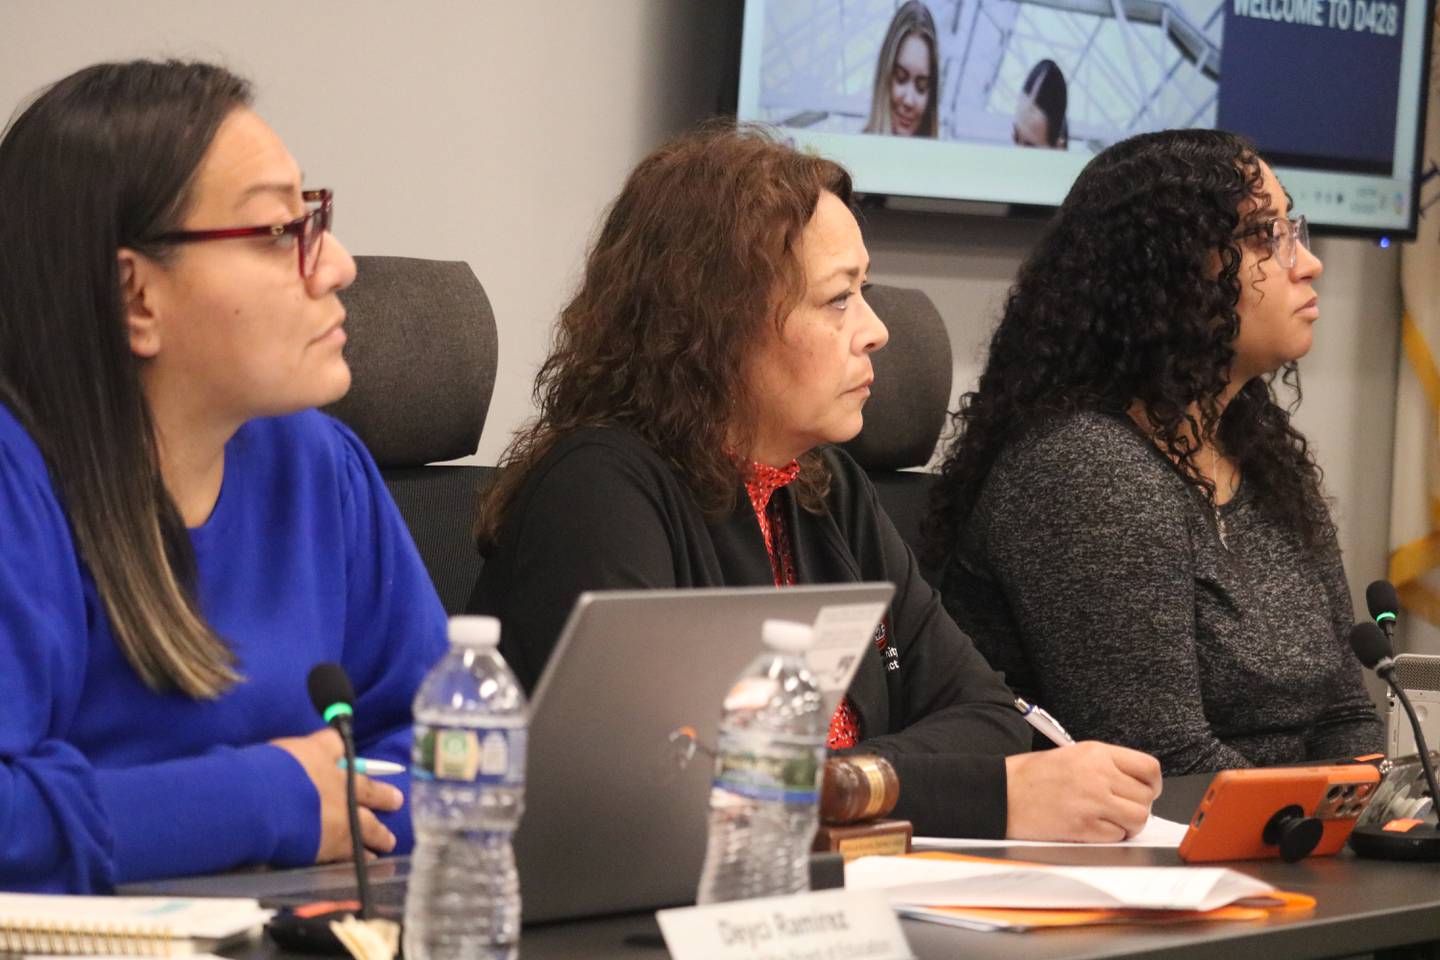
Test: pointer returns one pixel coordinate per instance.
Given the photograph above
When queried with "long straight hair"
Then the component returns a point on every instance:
(106, 159)
(913, 17)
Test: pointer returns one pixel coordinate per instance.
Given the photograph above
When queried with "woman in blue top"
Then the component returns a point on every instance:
(183, 537)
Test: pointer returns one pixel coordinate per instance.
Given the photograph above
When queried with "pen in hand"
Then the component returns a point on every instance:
(373, 768)
(1042, 721)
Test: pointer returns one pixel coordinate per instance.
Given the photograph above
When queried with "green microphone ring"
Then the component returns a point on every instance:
(337, 710)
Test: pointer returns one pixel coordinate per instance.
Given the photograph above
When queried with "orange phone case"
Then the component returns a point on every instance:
(1230, 822)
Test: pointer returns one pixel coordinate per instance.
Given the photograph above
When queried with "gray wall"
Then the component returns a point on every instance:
(496, 132)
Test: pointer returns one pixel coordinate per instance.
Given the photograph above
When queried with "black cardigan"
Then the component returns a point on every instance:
(603, 511)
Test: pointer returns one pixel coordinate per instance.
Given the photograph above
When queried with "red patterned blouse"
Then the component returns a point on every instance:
(761, 481)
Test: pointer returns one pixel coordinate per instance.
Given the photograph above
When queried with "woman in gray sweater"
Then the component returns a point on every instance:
(1128, 524)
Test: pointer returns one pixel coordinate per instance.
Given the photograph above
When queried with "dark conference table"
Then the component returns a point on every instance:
(1363, 906)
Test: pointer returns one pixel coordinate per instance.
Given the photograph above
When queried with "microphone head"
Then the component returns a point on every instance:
(1369, 643)
(1381, 598)
(329, 685)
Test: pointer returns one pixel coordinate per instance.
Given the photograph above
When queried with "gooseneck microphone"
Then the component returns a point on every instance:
(1372, 649)
(1420, 841)
(1383, 602)
(334, 698)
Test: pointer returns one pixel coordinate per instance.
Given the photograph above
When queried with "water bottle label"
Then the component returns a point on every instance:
(769, 769)
(491, 755)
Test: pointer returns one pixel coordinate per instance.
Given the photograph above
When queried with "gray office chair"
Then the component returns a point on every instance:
(907, 407)
(423, 351)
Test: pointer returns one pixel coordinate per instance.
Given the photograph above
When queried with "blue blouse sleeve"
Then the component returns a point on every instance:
(395, 627)
(66, 825)
(54, 834)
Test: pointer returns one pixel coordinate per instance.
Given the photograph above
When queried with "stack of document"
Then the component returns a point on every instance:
(986, 894)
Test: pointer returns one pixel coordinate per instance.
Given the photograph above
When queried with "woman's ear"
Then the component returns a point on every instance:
(137, 296)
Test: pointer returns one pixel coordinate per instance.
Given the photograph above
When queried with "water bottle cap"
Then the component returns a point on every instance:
(474, 631)
(787, 636)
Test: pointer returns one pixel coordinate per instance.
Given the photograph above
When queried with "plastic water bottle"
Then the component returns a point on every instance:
(765, 799)
(466, 796)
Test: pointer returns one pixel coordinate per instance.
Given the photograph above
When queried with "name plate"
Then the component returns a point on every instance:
(828, 925)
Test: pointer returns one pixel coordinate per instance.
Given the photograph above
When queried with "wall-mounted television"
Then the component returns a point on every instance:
(1004, 101)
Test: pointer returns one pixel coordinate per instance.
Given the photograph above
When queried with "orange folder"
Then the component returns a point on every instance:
(1019, 919)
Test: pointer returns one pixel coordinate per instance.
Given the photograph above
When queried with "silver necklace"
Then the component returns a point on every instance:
(1215, 503)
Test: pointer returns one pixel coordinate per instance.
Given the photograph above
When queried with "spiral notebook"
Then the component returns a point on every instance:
(33, 923)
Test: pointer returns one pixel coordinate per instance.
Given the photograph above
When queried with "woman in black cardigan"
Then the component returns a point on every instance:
(719, 342)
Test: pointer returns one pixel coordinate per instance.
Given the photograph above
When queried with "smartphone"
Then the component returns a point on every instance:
(1230, 822)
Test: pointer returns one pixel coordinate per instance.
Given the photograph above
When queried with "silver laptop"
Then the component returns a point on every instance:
(614, 822)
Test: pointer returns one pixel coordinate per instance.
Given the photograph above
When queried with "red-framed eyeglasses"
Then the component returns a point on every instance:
(309, 231)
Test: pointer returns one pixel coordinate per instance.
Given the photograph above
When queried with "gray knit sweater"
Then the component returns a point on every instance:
(1093, 576)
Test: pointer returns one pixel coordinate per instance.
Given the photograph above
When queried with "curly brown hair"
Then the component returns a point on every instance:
(696, 255)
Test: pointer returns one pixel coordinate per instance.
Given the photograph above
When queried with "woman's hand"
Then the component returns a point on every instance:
(319, 754)
(1088, 792)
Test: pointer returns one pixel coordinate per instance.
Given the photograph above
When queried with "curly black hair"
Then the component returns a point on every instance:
(1130, 299)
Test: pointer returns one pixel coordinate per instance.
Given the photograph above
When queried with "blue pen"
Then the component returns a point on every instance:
(1042, 721)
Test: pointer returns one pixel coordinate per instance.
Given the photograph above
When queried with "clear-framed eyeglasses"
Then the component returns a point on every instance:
(1284, 237)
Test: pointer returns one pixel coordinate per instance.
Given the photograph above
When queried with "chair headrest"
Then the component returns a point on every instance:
(908, 402)
(422, 351)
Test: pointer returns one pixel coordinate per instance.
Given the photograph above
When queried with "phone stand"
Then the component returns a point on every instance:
(1293, 832)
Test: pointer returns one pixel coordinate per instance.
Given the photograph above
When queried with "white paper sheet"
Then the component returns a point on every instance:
(1159, 832)
(911, 881)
